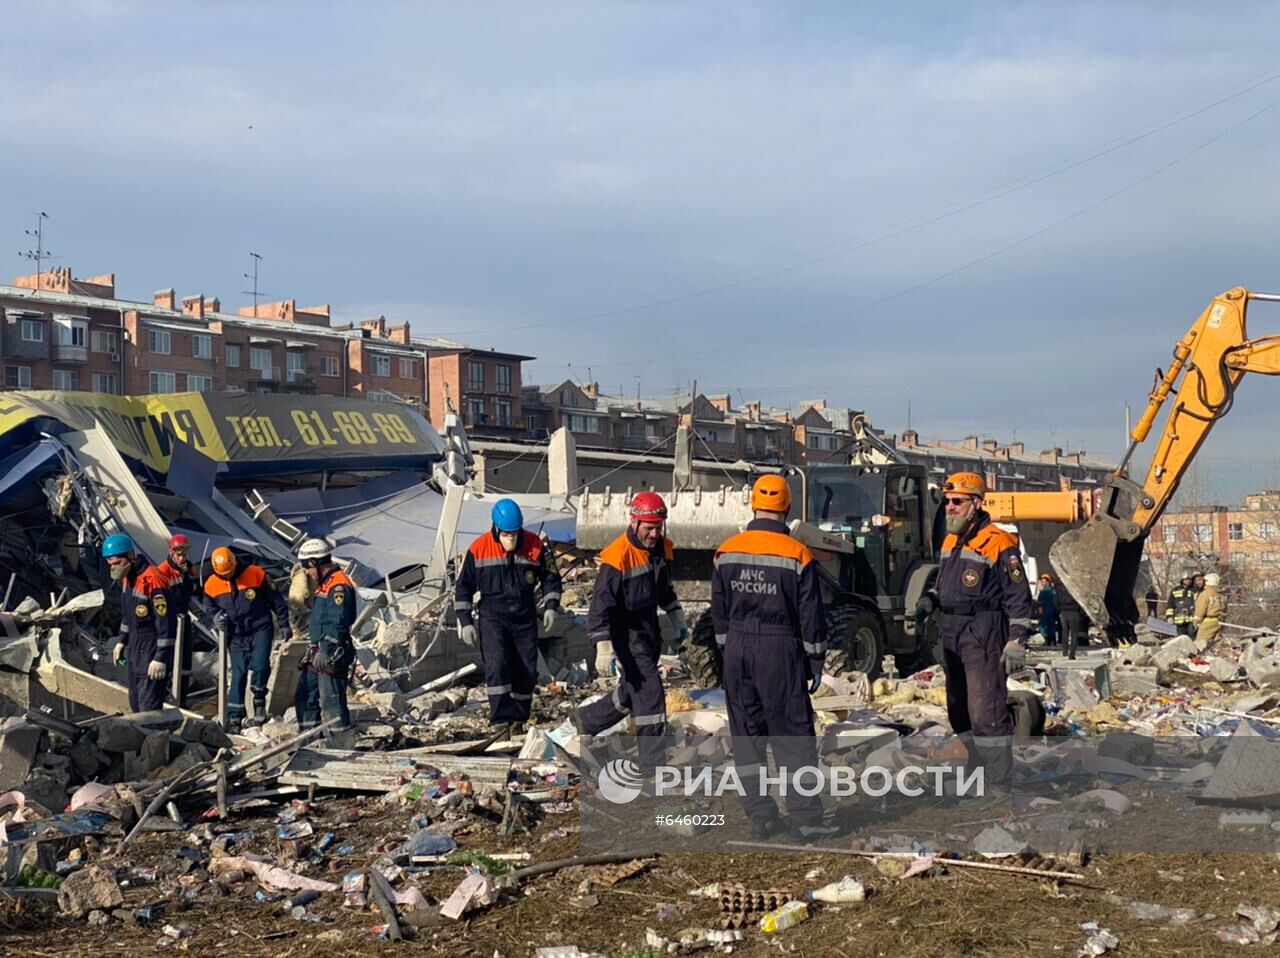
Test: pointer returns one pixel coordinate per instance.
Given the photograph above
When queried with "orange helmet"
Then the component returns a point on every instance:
(965, 484)
(223, 561)
(772, 494)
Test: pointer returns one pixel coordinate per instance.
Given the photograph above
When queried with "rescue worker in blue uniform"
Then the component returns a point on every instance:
(244, 601)
(986, 606)
(633, 583)
(322, 682)
(182, 577)
(766, 606)
(146, 623)
(506, 566)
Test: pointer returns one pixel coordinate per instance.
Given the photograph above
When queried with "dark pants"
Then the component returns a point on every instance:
(766, 688)
(1071, 632)
(323, 696)
(1049, 628)
(977, 696)
(639, 694)
(145, 695)
(1186, 628)
(509, 648)
(252, 655)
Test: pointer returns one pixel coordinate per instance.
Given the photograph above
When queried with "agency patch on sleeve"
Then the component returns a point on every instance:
(141, 611)
(161, 604)
(339, 596)
(1016, 572)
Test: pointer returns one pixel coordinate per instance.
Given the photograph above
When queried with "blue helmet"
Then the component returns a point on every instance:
(507, 516)
(118, 544)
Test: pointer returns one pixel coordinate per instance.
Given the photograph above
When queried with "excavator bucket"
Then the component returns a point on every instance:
(1101, 571)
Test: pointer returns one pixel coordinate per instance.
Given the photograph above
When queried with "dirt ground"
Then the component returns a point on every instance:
(959, 912)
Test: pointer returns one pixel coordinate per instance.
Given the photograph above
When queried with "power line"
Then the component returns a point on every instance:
(964, 267)
(920, 220)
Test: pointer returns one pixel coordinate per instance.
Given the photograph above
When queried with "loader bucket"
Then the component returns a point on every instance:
(1101, 571)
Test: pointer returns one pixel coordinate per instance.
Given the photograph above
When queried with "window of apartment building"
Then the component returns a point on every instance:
(104, 341)
(260, 360)
(17, 377)
(105, 383)
(1266, 530)
(504, 412)
(408, 368)
(1239, 558)
(232, 354)
(533, 422)
(377, 395)
(475, 377)
(68, 379)
(32, 331)
(382, 365)
(1203, 532)
(475, 411)
(1169, 533)
(1235, 531)
(163, 382)
(202, 346)
(579, 423)
(70, 332)
(158, 342)
(503, 383)
(199, 384)
(1267, 556)
(296, 363)
(713, 435)
(328, 365)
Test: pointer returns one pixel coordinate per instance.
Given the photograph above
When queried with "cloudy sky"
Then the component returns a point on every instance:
(1002, 214)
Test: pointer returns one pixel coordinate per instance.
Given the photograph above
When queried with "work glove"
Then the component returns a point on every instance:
(606, 659)
(157, 670)
(549, 618)
(925, 608)
(221, 620)
(468, 635)
(117, 654)
(319, 659)
(1014, 658)
(680, 624)
(286, 636)
(815, 683)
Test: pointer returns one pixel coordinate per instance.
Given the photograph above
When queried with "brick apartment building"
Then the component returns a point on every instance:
(62, 332)
(1242, 542)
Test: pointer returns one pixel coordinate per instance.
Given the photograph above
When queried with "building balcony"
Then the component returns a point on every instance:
(298, 380)
(268, 374)
(70, 354)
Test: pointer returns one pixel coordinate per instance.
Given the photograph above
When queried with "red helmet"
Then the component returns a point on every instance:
(648, 507)
(179, 540)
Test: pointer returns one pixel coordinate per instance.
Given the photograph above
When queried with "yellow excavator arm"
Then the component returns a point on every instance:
(1099, 562)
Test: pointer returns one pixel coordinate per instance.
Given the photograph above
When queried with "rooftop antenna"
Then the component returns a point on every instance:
(39, 254)
(257, 258)
(908, 415)
(637, 379)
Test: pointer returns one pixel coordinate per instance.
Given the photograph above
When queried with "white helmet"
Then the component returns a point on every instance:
(314, 548)
(1212, 579)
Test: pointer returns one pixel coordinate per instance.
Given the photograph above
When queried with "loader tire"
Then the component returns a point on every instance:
(702, 656)
(1027, 711)
(854, 640)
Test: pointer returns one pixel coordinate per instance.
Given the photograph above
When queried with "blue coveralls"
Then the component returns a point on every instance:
(324, 692)
(249, 600)
(1049, 623)
(766, 606)
(633, 583)
(986, 602)
(182, 581)
(147, 620)
(508, 612)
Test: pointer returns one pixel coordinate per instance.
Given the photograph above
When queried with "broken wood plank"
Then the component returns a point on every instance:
(384, 772)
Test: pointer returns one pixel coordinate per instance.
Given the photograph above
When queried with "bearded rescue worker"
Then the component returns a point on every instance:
(245, 601)
(766, 605)
(146, 623)
(633, 583)
(322, 683)
(982, 591)
(506, 566)
(182, 577)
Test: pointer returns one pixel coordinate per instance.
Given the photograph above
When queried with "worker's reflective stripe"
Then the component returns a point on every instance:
(765, 561)
(815, 648)
(637, 570)
(164, 643)
(722, 638)
(551, 597)
(524, 560)
(617, 701)
(497, 689)
(673, 607)
(481, 563)
(598, 636)
(1025, 623)
(462, 603)
(967, 553)
(521, 696)
(646, 720)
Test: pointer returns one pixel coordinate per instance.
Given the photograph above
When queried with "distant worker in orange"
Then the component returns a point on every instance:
(986, 608)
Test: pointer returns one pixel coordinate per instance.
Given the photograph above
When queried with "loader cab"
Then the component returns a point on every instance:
(882, 511)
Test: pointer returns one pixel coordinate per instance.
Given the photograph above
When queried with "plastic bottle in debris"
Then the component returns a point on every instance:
(845, 890)
(780, 919)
